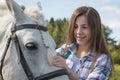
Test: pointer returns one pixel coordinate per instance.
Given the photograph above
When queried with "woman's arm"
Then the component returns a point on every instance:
(59, 61)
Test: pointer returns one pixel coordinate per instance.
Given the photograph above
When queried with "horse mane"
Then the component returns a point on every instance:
(36, 13)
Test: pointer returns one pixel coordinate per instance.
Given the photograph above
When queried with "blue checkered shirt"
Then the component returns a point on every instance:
(82, 66)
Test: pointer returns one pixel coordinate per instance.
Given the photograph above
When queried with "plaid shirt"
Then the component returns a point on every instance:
(82, 66)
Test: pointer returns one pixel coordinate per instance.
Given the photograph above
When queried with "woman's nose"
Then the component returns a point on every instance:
(79, 31)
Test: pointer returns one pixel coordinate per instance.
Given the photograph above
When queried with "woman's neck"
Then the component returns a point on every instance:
(82, 51)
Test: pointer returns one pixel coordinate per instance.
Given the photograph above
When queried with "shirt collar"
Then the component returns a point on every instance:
(73, 47)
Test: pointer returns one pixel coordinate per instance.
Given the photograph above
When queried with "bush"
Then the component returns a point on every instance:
(116, 57)
(116, 73)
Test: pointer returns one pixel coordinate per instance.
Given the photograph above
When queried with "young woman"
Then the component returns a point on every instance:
(86, 56)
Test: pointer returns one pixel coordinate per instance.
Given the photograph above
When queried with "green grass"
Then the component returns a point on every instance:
(116, 73)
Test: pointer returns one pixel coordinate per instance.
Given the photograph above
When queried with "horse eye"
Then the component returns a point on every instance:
(31, 46)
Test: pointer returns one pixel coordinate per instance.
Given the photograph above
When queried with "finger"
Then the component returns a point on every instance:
(59, 58)
(59, 64)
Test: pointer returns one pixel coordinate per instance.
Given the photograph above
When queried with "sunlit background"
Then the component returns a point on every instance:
(109, 10)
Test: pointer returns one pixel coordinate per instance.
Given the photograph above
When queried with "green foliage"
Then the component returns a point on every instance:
(58, 29)
(114, 49)
(116, 56)
(107, 31)
(116, 73)
(116, 53)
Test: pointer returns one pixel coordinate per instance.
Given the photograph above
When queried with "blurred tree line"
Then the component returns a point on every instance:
(59, 28)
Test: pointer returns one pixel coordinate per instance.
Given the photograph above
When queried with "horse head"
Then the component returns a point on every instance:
(25, 43)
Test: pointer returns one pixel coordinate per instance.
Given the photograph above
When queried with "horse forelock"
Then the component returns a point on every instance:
(36, 13)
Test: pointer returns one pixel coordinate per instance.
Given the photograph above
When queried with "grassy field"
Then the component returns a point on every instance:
(116, 73)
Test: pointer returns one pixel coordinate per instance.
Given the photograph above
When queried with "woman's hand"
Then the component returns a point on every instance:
(59, 61)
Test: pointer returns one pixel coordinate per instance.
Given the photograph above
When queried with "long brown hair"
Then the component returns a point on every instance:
(98, 42)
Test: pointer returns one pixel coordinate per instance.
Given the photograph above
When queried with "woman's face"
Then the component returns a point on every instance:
(82, 32)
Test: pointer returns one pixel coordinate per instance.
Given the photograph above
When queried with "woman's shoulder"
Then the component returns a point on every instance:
(103, 56)
(103, 59)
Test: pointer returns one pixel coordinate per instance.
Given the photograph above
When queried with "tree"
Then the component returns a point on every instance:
(58, 29)
(107, 31)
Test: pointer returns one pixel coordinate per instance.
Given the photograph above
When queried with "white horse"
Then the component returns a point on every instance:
(26, 48)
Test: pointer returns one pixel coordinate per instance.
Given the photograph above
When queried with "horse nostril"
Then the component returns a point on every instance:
(31, 46)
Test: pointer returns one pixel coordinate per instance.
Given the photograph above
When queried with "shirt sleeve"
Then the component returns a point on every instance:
(101, 69)
(60, 50)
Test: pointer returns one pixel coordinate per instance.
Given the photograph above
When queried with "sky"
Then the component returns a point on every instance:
(109, 11)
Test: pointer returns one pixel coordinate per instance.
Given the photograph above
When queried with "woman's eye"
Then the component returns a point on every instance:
(84, 27)
(75, 26)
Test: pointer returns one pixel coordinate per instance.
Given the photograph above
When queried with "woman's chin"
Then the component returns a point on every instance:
(80, 43)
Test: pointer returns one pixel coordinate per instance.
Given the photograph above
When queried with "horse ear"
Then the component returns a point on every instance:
(10, 6)
(18, 14)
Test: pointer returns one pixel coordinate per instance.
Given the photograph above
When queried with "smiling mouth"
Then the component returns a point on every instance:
(80, 38)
